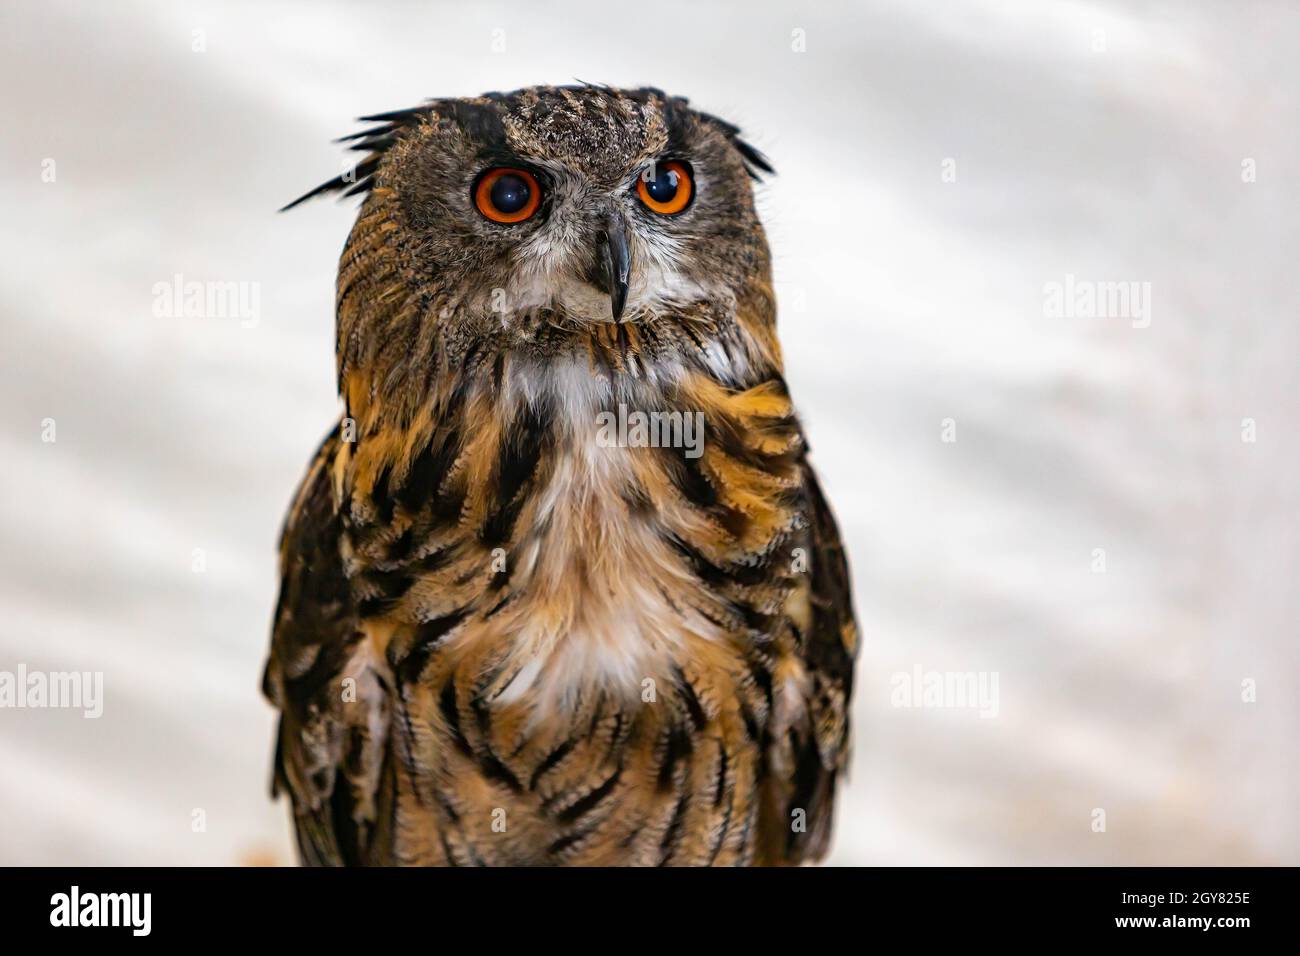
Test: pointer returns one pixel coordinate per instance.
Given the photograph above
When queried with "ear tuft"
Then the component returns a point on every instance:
(374, 142)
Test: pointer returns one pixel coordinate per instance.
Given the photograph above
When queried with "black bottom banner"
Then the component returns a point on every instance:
(559, 907)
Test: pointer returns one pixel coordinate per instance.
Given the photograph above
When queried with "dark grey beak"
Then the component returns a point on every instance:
(615, 263)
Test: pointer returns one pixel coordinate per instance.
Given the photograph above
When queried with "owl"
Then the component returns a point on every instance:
(560, 587)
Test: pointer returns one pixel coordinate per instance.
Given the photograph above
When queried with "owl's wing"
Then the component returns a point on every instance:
(810, 745)
(333, 704)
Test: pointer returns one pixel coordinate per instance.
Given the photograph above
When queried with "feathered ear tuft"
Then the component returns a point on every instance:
(755, 162)
(374, 142)
(673, 106)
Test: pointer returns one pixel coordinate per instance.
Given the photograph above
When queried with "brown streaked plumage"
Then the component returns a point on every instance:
(501, 639)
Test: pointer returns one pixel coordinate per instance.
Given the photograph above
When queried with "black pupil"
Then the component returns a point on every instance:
(510, 193)
(662, 187)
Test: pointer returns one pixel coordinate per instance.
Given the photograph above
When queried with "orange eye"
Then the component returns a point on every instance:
(507, 195)
(666, 188)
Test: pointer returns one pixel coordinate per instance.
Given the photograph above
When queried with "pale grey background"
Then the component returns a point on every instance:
(921, 300)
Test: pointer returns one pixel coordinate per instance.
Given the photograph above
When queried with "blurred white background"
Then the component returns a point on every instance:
(1102, 140)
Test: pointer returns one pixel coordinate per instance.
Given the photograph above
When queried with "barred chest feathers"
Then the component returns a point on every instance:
(595, 587)
(605, 602)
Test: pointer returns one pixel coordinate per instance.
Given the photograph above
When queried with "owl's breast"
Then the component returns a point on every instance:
(601, 599)
(576, 619)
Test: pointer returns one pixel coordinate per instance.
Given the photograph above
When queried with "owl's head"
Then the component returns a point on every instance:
(550, 208)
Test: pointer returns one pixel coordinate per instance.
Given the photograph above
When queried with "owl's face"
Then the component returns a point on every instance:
(567, 205)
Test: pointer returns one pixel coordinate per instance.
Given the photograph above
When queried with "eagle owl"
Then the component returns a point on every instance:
(518, 625)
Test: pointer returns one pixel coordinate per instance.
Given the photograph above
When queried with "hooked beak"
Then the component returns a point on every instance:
(615, 263)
